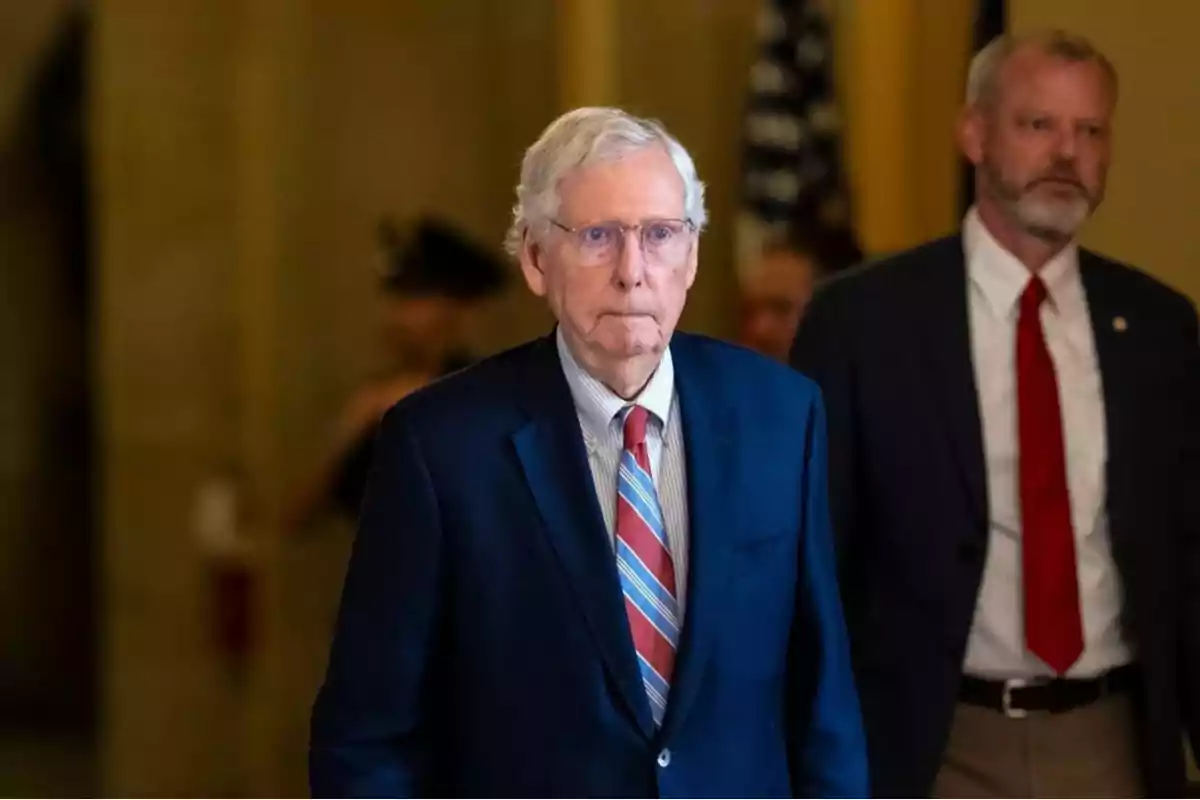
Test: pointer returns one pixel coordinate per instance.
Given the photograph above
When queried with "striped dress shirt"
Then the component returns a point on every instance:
(600, 420)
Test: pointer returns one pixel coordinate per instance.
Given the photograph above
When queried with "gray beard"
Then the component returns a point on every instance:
(1049, 220)
(1053, 220)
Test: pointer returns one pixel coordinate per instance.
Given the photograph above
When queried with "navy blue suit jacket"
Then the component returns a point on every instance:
(482, 646)
(890, 346)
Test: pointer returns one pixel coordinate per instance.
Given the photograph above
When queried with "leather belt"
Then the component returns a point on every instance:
(1016, 698)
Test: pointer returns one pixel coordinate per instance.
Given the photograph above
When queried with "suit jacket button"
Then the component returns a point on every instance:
(664, 758)
(969, 552)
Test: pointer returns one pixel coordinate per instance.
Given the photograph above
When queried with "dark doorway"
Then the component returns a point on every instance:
(48, 548)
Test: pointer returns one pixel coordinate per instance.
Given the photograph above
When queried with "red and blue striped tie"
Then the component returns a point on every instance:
(645, 566)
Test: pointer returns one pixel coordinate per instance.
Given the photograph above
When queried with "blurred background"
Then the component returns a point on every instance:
(190, 203)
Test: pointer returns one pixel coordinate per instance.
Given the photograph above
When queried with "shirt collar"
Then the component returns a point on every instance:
(1001, 278)
(598, 405)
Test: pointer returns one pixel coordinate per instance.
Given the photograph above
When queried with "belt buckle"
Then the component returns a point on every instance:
(1006, 699)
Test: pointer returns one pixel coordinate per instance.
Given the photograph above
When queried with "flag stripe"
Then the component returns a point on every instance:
(792, 156)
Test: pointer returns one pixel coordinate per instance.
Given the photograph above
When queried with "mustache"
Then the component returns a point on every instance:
(1066, 177)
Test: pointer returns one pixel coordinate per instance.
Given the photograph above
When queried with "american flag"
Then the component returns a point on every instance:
(792, 162)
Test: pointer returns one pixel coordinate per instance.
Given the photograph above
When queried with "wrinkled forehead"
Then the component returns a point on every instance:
(631, 187)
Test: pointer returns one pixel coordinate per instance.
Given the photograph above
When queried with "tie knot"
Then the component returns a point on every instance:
(1034, 294)
(635, 426)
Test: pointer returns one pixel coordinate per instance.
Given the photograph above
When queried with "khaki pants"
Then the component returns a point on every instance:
(1088, 752)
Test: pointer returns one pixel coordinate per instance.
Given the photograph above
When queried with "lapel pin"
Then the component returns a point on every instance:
(1120, 325)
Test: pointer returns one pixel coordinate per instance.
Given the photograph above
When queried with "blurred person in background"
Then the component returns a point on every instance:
(775, 289)
(1015, 468)
(433, 279)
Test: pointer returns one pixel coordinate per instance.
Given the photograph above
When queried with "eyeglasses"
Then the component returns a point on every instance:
(663, 241)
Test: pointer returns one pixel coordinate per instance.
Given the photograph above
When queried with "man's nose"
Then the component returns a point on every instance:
(631, 262)
(1067, 146)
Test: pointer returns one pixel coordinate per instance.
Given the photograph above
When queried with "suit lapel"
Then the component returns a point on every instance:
(1113, 332)
(552, 455)
(943, 305)
(711, 471)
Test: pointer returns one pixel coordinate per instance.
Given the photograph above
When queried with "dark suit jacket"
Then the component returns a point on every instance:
(482, 646)
(889, 345)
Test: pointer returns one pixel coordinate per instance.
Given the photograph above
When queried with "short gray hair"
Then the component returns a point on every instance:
(588, 136)
(984, 73)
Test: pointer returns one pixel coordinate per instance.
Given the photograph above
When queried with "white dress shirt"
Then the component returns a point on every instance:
(601, 422)
(996, 279)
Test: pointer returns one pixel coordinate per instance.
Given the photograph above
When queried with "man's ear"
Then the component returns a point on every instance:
(531, 256)
(970, 132)
(693, 262)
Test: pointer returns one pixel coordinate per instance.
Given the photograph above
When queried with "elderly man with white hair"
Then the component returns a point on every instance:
(598, 564)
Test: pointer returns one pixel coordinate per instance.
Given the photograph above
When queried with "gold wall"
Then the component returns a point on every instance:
(245, 150)
(902, 65)
(1149, 217)
(687, 63)
(244, 154)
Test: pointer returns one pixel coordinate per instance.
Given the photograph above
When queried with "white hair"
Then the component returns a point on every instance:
(587, 136)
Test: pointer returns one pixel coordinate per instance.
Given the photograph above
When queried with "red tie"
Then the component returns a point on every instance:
(1053, 628)
(645, 566)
